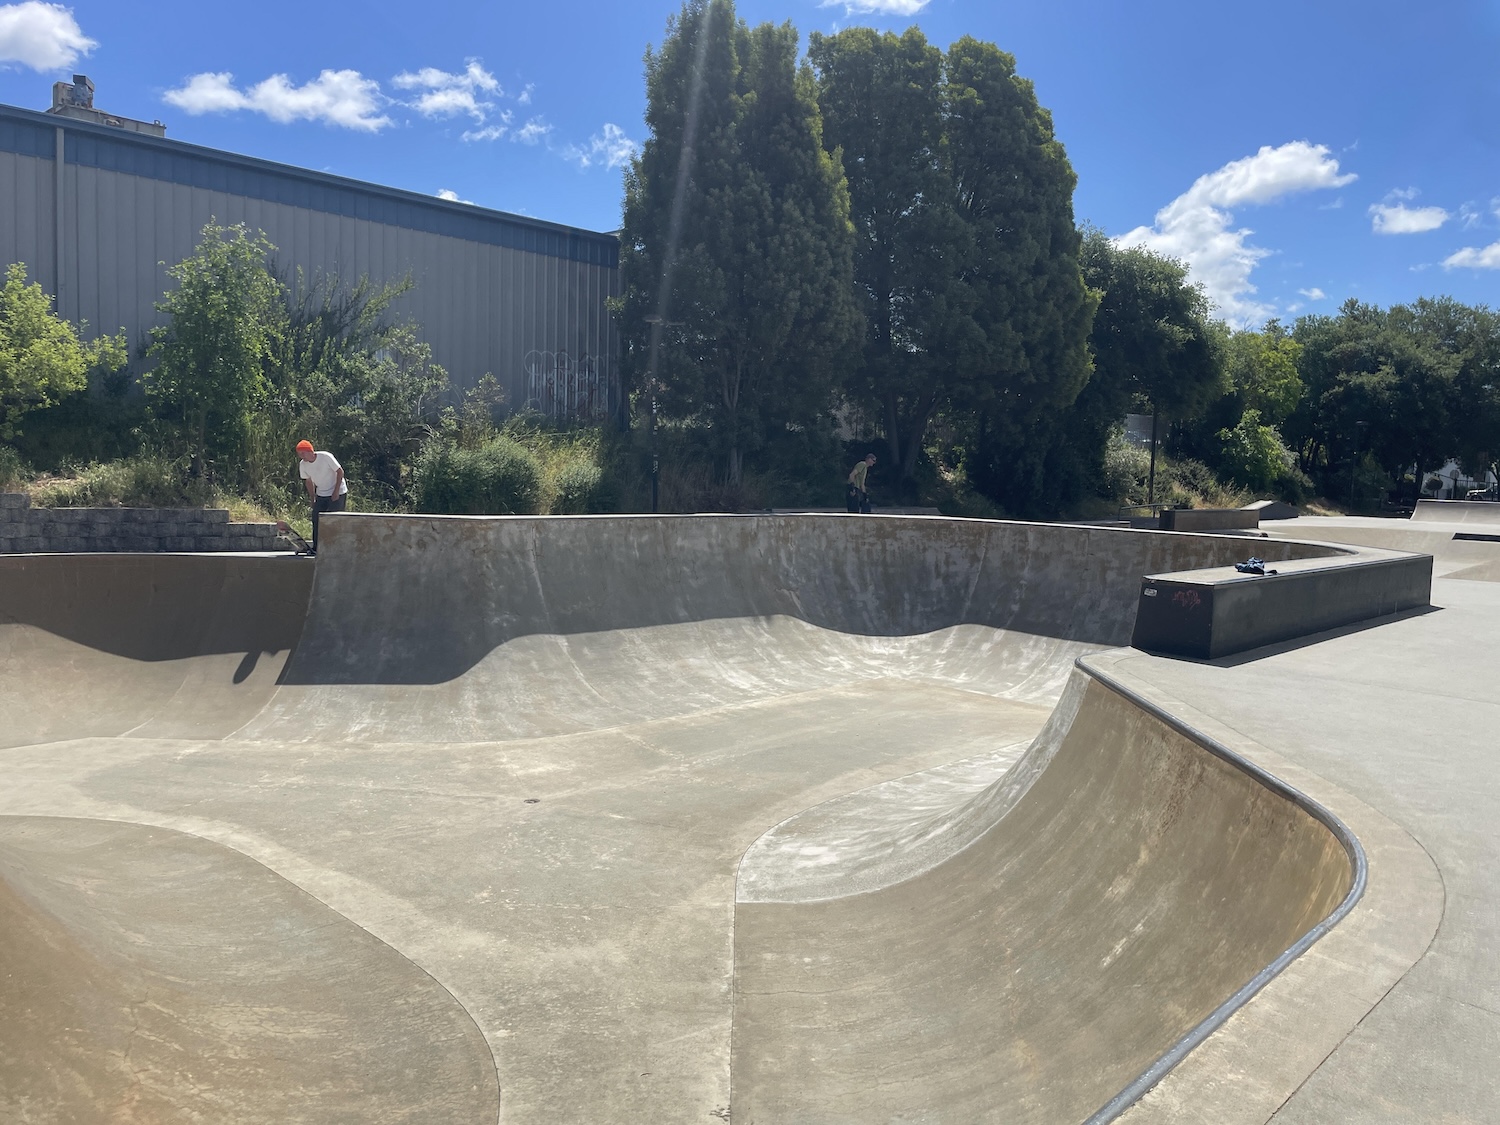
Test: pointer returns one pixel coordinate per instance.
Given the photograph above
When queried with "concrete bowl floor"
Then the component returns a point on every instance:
(633, 820)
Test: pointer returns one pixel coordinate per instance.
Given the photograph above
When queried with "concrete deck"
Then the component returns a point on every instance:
(658, 820)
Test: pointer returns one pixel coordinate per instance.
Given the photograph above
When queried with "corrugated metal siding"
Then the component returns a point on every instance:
(534, 318)
(26, 186)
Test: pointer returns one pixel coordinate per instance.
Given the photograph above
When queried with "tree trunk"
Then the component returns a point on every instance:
(893, 428)
(915, 435)
(731, 390)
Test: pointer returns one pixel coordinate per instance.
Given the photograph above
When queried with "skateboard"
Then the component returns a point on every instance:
(300, 545)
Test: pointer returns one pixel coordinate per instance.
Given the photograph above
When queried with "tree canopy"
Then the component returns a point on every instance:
(1412, 385)
(968, 255)
(1154, 343)
(42, 361)
(736, 259)
(211, 352)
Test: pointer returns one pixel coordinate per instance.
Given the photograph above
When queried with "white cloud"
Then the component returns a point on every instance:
(1400, 219)
(472, 77)
(1495, 206)
(490, 132)
(41, 36)
(1470, 215)
(528, 134)
(609, 147)
(1393, 216)
(1314, 294)
(879, 7)
(524, 97)
(1195, 226)
(1475, 257)
(447, 94)
(208, 93)
(452, 196)
(336, 97)
(531, 132)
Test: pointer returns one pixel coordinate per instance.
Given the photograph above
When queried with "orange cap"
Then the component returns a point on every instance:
(304, 444)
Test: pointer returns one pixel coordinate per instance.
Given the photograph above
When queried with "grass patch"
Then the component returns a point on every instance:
(1321, 506)
(135, 482)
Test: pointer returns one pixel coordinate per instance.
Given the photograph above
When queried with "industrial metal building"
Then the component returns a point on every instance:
(94, 205)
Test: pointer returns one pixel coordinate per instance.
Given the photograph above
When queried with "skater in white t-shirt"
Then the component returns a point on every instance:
(324, 477)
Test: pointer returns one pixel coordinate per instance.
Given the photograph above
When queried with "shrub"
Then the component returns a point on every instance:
(135, 482)
(498, 478)
(1254, 454)
(1125, 466)
(579, 488)
(12, 470)
(1293, 485)
(1192, 484)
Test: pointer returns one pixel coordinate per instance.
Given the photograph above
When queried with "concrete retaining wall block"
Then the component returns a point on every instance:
(24, 529)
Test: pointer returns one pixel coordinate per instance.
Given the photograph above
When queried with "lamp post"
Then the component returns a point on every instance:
(1151, 480)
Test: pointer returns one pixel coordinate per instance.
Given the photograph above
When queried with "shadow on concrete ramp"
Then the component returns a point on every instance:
(165, 645)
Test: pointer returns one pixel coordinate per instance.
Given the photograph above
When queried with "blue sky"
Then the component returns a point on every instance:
(1295, 154)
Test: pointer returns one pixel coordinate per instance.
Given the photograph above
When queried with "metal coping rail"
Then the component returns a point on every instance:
(1158, 1070)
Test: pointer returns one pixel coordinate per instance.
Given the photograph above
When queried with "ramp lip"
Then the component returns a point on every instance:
(1158, 1070)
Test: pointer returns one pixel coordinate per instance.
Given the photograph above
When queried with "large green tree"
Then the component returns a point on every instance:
(42, 361)
(968, 255)
(1409, 386)
(1155, 345)
(1262, 370)
(223, 318)
(882, 101)
(1014, 190)
(1470, 336)
(1240, 432)
(736, 263)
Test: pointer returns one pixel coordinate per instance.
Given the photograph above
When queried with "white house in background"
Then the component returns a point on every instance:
(1455, 485)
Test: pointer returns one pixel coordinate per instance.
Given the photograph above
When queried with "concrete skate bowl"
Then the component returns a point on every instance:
(803, 819)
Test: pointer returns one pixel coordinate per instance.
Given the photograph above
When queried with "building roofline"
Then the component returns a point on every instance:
(291, 171)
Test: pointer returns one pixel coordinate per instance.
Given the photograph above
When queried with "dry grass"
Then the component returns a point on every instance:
(1322, 506)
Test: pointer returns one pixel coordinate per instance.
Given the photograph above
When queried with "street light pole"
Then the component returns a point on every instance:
(1151, 480)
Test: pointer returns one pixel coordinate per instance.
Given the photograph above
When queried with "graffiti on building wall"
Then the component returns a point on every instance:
(562, 386)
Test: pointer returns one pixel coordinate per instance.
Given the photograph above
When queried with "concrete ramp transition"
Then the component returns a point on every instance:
(790, 818)
(1122, 883)
(1482, 514)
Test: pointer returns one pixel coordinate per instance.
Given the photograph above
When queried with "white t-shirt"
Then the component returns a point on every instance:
(323, 471)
